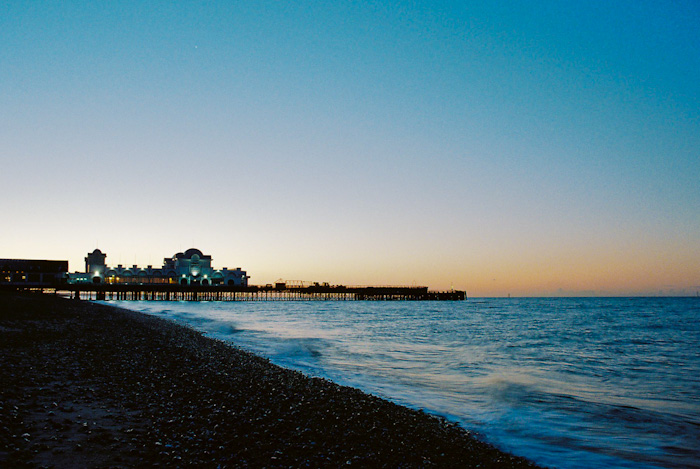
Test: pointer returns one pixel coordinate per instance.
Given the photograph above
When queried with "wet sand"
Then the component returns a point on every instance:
(86, 385)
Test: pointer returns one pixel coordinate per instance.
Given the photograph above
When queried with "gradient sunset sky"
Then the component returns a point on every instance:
(529, 148)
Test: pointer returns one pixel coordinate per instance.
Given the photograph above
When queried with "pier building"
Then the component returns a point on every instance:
(191, 267)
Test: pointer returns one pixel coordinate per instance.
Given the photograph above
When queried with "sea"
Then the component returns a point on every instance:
(564, 382)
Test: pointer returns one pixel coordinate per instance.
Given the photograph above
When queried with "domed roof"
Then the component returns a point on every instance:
(191, 252)
(97, 251)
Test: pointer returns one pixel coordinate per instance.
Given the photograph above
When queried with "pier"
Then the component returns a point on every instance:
(174, 292)
(188, 276)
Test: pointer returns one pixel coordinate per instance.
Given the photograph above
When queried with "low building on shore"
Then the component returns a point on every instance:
(189, 268)
(31, 272)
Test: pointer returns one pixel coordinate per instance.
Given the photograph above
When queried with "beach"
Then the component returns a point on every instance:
(87, 385)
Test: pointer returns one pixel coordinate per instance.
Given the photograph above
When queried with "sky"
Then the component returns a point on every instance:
(530, 148)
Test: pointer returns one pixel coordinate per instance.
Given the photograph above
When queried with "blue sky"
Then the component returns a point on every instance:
(531, 148)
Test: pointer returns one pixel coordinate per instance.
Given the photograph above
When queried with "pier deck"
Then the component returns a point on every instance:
(170, 292)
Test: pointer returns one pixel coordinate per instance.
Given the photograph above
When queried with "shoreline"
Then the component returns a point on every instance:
(98, 386)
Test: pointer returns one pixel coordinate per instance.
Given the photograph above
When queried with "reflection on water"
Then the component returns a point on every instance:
(565, 382)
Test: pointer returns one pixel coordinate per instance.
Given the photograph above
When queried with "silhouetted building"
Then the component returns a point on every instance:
(189, 268)
(31, 272)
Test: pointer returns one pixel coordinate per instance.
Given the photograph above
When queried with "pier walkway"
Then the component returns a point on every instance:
(170, 292)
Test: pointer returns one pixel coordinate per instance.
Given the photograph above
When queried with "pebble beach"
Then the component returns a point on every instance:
(88, 385)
